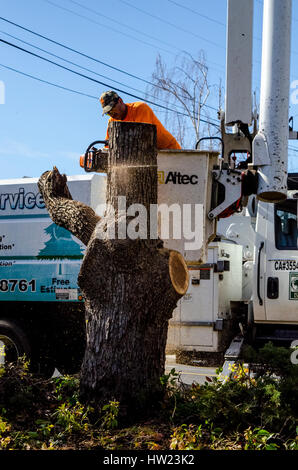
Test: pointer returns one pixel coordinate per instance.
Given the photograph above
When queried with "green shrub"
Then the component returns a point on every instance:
(109, 419)
(255, 409)
(244, 401)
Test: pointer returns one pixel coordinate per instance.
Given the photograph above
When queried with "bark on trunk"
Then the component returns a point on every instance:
(131, 284)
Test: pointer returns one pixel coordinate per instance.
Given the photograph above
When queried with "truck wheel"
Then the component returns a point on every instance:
(13, 342)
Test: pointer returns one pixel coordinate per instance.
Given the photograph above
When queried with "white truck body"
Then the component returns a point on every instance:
(260, 278)
(199, 322)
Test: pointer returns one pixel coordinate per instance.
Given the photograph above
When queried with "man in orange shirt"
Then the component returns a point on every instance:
(114, 107)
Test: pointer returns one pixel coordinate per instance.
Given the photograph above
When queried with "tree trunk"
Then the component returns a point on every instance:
(130, 283)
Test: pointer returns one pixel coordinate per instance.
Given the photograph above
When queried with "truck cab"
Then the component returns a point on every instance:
(275, 291)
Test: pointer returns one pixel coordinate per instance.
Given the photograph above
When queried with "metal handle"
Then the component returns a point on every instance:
(212, 138)
(259, 267)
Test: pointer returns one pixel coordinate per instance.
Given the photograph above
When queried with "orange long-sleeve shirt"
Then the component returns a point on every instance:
(141, 112)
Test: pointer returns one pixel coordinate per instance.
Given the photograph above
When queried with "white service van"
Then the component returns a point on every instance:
(41, 308)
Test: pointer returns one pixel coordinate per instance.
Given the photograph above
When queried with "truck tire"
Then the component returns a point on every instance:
(13, 342)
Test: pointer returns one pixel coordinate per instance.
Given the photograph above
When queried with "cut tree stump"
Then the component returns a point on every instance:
(131, 284)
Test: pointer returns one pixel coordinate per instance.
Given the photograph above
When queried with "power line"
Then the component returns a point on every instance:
(47, 82)
(85, 55)
(115, 21)
(74, 50)
(197, 13)
(121, 24)
(172, 24)
(110, 28)
(55, 84)
(118, 22)
(70, 62)
(70, 89)
(127, 26)
(63, 67)
(85, 68)
(201, 15)
(97, 81)
(51, 83)
(215, 21)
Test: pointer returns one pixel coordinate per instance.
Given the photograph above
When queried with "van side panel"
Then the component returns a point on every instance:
(40, 261)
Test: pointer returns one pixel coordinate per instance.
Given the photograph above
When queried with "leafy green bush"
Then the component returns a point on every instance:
(261, 399)
(109, 419)
(67, 388)
(255, 409)
(72, 418)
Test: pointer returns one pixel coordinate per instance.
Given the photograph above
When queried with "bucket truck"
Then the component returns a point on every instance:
(248, 288)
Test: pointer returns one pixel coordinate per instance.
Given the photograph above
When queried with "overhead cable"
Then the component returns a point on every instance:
(47, 82)
(97, 81)
(86, 56)
(188, 31)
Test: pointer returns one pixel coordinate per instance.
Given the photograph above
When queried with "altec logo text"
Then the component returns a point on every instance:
(176, 177)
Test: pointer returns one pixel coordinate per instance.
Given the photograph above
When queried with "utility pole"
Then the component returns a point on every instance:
(270, 146)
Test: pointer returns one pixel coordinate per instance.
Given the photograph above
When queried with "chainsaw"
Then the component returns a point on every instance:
(94, 159)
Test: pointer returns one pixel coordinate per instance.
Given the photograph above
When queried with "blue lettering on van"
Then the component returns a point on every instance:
(21, 200)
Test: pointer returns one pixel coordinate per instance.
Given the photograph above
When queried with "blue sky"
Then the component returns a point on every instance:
(42, 126)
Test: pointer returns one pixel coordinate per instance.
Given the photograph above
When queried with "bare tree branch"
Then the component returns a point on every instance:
(186, 87)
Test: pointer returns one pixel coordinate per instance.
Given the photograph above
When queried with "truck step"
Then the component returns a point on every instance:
(233, 351)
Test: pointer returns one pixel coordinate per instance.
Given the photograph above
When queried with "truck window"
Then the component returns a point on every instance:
(286, 225)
